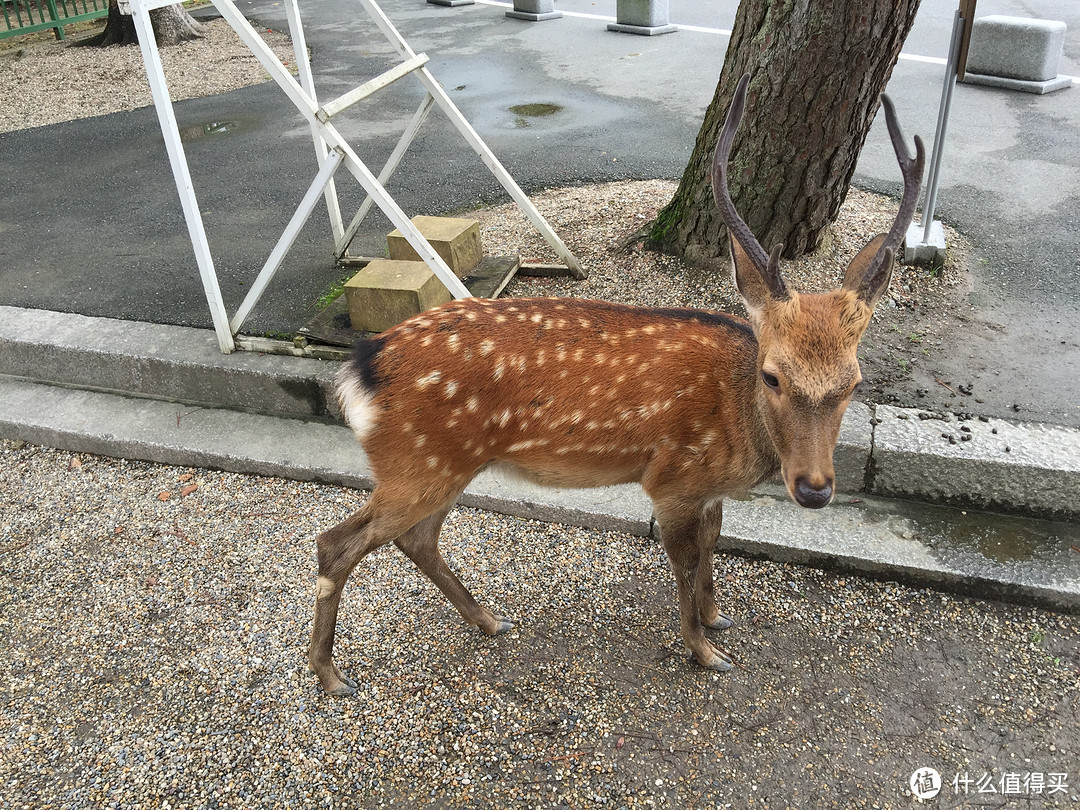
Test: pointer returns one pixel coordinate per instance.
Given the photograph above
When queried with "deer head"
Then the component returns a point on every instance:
(807, 344)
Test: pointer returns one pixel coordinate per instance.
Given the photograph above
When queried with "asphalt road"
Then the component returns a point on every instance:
(91, 221)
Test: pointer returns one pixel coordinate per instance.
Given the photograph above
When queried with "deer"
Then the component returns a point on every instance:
(693, 405)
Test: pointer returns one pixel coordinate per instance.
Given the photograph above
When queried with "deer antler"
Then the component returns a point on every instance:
(911, 169)
(767, 266)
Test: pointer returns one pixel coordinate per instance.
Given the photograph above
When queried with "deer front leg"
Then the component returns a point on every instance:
(705, 590)
(680, 533)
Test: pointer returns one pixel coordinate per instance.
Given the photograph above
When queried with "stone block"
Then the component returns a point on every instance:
(1032, 469)
(534, 10)
(645, 17)
(451, 3)
(1016, 52)
(457, 241)
(388, 291)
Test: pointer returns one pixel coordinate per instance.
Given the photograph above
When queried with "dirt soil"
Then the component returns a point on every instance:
(603, 225)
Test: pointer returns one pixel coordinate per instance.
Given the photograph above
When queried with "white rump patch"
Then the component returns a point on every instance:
(357, 403)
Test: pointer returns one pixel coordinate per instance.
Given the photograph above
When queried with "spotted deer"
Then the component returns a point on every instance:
(693, 405)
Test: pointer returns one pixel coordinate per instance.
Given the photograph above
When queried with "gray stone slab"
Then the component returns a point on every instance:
(1003, 465)
(642, 30)
(175, 363)
(852, 457)
(168, 433)
(987, 556)
(1023, 85)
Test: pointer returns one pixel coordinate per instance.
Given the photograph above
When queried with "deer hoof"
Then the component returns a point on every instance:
(721, 622)
(717, 661)
(503, 625)
(344, 690)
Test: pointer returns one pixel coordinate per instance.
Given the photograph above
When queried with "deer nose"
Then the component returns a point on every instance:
(810, 496)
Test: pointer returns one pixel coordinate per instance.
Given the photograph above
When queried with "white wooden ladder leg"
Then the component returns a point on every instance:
(140, 14)
(307, 81)
(476, 142)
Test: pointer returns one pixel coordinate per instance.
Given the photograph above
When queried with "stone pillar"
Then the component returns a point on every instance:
(534, 10)
(645, 17)
(1016, 53)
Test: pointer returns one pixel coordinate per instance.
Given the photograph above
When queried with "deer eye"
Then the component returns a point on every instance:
(770, 380)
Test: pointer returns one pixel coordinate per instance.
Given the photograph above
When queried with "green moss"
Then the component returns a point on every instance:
(275, 335)
(332, 294)
(667, 221)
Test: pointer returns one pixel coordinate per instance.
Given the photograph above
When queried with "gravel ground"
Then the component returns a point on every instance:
(43, 81)
(154, 622)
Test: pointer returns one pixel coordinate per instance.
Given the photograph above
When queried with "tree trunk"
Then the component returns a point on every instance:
(172, 25)
(817, 68)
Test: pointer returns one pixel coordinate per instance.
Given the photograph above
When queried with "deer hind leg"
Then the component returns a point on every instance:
(680, 530)
(704, 588)
(380, 521)
(421, 545)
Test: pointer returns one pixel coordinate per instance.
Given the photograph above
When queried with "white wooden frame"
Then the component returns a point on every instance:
(332, 152)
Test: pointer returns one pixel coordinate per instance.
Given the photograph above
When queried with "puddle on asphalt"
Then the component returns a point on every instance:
(213, 129)
(536, 110)
(998, 539)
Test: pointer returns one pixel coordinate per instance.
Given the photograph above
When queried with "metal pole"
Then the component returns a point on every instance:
(942, 125)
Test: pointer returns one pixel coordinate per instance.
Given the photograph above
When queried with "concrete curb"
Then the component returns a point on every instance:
(984, 463)
(910, 453)
(99, 386)
(173, 363)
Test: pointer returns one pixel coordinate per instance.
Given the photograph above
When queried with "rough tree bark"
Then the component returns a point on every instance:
(172, 25)
(817, 68)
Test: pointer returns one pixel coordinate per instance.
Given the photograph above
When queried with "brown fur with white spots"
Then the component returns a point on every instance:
(693, 405)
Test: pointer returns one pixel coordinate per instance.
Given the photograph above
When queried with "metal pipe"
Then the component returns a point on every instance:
(942, 125)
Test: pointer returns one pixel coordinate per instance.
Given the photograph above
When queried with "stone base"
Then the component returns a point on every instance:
(386, 292)
(1023, 85)
(456, 240)
(643, 30)
(451, 3)
(916, 251)
(531, 17)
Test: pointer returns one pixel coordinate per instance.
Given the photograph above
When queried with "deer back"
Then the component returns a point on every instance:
(564, 391)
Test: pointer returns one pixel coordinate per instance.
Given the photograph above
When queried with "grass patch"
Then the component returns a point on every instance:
(334, 293)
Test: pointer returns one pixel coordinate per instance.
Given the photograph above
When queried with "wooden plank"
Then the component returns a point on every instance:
(342, 103)
(491, 275)
(544, 270)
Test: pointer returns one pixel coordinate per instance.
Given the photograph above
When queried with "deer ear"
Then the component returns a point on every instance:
(757, 286)
(869, 272)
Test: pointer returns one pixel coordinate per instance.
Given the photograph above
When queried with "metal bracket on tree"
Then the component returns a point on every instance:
(332, 151)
